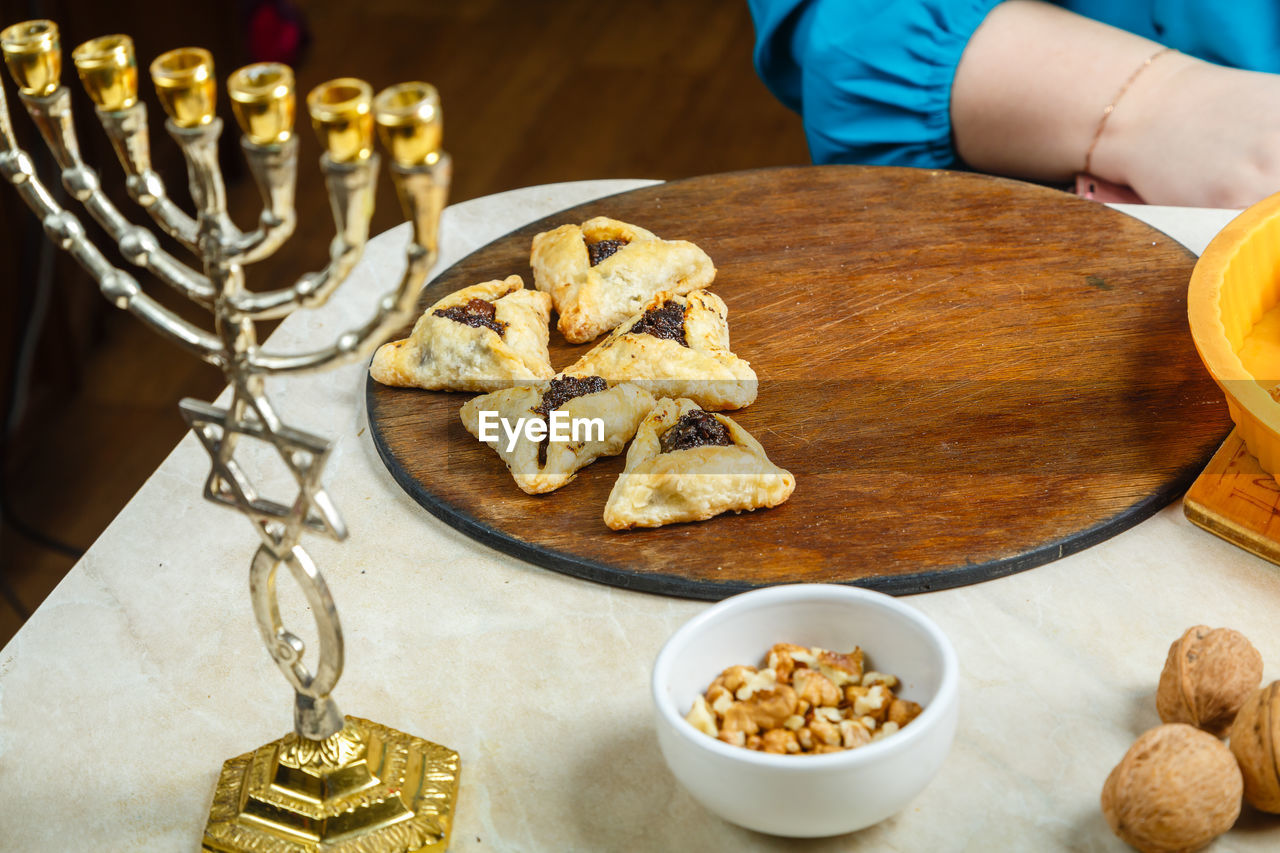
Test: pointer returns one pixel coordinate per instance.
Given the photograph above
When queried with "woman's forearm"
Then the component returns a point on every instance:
(1034, 82)
(1032, 86)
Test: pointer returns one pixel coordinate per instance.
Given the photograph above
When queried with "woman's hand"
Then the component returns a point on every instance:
(1196, 134)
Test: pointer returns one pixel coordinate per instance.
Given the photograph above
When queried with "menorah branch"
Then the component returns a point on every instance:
(351, 197)
(358, 343)
(127, 130)
(409, 121)
(199, 146)
(52, 115)
(275, 170)
(119, 287)
(423, 190)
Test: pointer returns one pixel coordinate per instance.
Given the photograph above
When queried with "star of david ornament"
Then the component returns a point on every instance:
(303, 453)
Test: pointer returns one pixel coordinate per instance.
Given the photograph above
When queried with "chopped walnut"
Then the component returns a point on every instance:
(885, 730)
(702, 718)
(738, 719)
(780, 741)
(853, 734)
(733, 738)
(802, 701)
(841, 669)
(780, 660)
(902, 712)
(734, 677)
(758, 682)
(808, 657)
(824, 731)
(815, 688)
(829, 713)
(770, 710)
(720, 698)
(873, 677)
(873, 704)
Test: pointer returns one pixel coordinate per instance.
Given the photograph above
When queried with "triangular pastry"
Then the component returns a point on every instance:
(602, 271)
(481, 338)
(687, 464)
(675, 346)
(546, 465)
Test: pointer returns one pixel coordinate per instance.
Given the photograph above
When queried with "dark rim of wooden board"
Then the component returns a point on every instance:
(1018, 296)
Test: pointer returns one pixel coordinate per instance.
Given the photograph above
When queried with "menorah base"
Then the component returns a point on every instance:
(367, 789)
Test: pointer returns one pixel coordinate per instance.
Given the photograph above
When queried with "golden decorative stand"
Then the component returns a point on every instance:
(366, 788)
(336, 783)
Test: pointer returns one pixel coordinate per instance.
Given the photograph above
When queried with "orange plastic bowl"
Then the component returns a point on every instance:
(1235, 323)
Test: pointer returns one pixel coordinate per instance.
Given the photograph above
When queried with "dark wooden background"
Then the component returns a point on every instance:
(534, 92)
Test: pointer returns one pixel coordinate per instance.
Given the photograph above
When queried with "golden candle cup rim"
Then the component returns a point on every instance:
(413, 102)
(115, 49)
(183, 65)
(33, 53)
(108, 58)
(261, 81)
(39, 35)
(338, 99)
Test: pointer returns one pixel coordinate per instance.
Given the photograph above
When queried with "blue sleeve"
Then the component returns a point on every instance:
(1241, 34)
(871, 79)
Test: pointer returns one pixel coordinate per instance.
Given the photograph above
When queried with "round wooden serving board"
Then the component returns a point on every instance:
(968, 377)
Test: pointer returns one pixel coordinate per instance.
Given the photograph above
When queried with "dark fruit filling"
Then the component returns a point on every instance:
(695, 429)
(666, 322)
(565, 388)
(476, 312)
(597, 252)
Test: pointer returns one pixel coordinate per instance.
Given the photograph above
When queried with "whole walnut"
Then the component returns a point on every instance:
(1253, 740)
(1176, 789)
(1206, 678)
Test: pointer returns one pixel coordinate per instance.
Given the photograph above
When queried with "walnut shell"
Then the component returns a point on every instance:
(1254, 737)
(1206, 678)
(1176, 789)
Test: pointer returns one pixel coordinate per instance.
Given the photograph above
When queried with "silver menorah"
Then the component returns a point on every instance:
(335, 783)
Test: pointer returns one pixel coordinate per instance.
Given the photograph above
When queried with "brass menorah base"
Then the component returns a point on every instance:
(366, 788)
(336, 783)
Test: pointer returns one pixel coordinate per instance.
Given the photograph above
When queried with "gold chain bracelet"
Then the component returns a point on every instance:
(1111, 107)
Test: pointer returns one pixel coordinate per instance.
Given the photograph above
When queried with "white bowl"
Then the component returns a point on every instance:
(806, 796)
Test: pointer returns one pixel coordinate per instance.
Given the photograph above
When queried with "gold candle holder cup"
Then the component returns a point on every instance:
(33, 53)
(264, 102)
(108, 69)
(185, 83)
(342, 115)
(410, 123)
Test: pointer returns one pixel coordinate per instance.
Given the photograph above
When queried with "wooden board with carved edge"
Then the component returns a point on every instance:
(968, 376)
(1235, 499)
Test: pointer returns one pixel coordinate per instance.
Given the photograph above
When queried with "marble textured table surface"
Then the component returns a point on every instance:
(144, 671)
